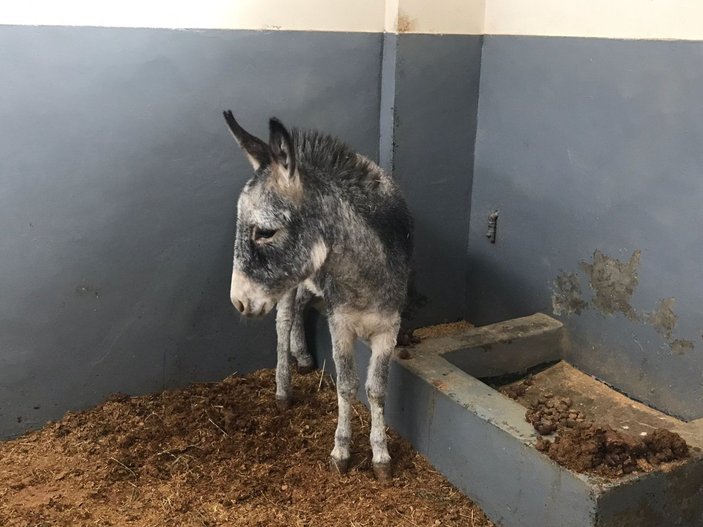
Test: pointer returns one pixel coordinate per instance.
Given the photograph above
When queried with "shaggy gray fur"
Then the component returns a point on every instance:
(318, 218)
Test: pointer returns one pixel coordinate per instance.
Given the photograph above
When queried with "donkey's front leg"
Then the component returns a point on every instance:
(347, 385)
(298, 346)
(382, 345)
(284, 320)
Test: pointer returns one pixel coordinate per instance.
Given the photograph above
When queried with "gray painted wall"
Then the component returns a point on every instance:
(118, 183)
(118, 186)
(432, 112)
(591, 145)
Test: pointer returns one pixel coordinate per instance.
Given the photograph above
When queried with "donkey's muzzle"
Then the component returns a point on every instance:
(239, 305)
(249, 298)
(252, 309)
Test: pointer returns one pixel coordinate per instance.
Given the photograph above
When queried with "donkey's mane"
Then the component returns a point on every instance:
(324, 153)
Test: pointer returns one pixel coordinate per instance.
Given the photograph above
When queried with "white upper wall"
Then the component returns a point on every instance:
(319, 15)
(630, 19)
(410, 16)
(626, 19)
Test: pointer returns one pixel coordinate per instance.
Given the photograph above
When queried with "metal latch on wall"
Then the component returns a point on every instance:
(492, 226)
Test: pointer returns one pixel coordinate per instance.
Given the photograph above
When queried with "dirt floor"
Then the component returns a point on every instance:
(215, 455)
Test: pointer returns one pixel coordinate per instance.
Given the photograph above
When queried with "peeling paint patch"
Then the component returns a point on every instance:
(567, 298)
(613, 283)
(681, 346)
(664, 319)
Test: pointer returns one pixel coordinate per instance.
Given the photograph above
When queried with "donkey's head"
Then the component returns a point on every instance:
(277, 245)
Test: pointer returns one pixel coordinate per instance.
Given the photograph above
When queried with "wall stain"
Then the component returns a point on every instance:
(567, 297)
(664, 319)
(405, 23)
(87, 290)
(681, 346)
(613, 282)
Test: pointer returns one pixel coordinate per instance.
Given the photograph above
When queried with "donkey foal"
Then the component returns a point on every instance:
(319, 219)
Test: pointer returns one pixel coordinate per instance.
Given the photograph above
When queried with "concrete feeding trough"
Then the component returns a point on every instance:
(479, 438)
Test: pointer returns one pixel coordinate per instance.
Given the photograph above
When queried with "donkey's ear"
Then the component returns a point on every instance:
(281, 148)
(255, 149)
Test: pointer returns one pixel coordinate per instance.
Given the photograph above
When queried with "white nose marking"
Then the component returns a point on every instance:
(248, 297)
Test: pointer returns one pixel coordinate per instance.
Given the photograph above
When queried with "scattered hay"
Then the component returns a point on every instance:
(213, 455)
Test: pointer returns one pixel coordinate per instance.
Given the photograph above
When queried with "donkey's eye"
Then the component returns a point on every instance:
(262, 234)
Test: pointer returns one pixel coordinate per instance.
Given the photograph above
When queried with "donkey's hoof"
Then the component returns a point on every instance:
(300, 368)
(303, 370)
(340, 466)
(283, 403)
(383, 471)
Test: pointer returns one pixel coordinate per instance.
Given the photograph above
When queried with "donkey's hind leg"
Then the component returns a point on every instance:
(284, 320)
(298, 346)
(382, 346)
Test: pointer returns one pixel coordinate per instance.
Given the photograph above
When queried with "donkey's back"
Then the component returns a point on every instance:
(364, 212)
